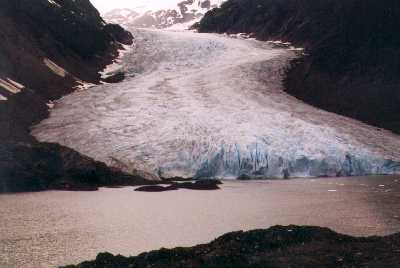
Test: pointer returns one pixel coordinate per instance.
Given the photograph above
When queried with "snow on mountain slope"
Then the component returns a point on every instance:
(202, 105)
(185, 12)
(121, 15)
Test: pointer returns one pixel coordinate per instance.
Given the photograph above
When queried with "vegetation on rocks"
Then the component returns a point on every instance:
(279, 246)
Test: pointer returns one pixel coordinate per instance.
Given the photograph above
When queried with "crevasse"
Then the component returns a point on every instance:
(203, 105)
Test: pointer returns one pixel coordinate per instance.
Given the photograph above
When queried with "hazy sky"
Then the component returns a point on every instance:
(106, 5)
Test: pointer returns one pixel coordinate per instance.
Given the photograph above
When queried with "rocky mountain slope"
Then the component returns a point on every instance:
(185, 12)
(279, 246)
(352, 62)
(47, 47)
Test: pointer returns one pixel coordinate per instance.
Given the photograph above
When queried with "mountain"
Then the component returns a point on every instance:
(352, 62)
(48, 48)
(184, 13)
(121, 15)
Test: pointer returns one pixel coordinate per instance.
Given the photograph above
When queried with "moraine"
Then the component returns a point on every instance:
(203, 105)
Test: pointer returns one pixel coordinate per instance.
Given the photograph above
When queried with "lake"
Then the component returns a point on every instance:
(53, 228)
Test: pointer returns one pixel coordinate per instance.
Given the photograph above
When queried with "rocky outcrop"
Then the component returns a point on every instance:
(202, 184)
(351, 66)
(46, 49)
(279, 246)
(42, 166)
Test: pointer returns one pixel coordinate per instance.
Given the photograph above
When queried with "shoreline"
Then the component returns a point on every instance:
(125, 222)
(278, 246)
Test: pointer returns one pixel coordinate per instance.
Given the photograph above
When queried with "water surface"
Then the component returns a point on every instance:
(53, 228)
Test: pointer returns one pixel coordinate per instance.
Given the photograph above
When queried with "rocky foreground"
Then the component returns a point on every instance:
(279, 246)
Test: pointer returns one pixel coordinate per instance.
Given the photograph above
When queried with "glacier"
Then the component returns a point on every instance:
(204, 105)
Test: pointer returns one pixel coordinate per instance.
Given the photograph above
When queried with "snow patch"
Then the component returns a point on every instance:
(82, 85)
(50, 104)
(116, 66)
(55, 68)
(52, 2)
(11, 86)
(184, 13)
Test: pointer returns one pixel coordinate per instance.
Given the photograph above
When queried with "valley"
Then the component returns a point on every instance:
(264, 131)
(205, 105)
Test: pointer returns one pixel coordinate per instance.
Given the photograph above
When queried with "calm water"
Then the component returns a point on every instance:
(52, 228)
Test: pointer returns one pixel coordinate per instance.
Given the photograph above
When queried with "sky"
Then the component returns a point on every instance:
(107, 5)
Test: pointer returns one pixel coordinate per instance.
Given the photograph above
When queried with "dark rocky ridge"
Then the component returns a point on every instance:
(47, 47)
(352, 65)
(279, 246)
(36, 167)
(201, 184)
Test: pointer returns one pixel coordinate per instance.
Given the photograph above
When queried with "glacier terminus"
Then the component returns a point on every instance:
(204, 105)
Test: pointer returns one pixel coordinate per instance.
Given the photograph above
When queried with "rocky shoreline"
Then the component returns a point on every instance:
(28, 167)
(279, 246)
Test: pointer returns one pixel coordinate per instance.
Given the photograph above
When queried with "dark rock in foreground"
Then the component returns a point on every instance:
(279, 246)
(197, 185)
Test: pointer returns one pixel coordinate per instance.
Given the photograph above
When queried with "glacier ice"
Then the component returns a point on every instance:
(204, 105)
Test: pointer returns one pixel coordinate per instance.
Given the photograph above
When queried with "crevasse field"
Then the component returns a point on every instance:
(203, 105)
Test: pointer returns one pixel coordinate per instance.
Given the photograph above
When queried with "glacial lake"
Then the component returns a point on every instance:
(52, 228)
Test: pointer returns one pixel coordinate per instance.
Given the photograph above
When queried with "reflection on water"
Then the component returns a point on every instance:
(52, 228)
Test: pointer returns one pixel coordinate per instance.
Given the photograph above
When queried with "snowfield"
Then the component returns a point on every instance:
(203, 105)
